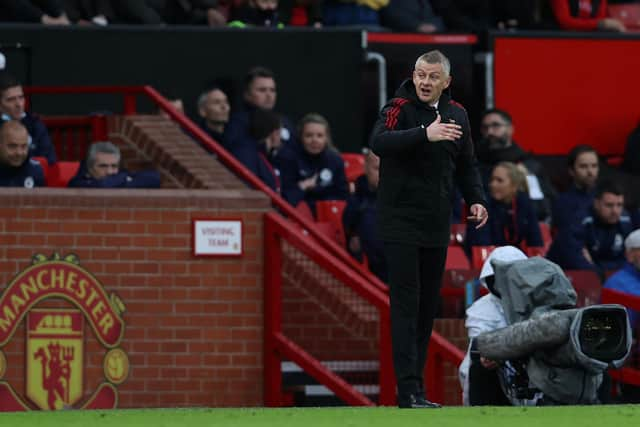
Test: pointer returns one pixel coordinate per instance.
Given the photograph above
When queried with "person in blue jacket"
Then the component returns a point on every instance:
(584, 169)
(512, 217)
(312, 169)
(12, 104)
(260, 91)
(264, 127)
(102, 170)
(16, 168)
(360, 216)
(627, 279)
(595, 242)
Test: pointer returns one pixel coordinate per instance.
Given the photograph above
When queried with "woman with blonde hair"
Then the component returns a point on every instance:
(311, 169)
(512, 218)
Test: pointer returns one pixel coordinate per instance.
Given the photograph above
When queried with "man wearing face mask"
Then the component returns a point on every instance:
(256, 13)
(497, 145)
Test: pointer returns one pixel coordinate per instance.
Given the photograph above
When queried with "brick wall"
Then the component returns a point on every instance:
(454, 331)
(193, 325)
(153, 141)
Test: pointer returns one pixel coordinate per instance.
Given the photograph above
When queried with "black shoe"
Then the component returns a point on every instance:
(415, 401)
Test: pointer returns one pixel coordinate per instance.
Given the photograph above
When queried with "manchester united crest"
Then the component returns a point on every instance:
(54, 359)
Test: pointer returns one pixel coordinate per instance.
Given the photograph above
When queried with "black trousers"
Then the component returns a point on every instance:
(415, 278)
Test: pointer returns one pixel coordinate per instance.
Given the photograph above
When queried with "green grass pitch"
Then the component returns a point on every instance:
(579, 416)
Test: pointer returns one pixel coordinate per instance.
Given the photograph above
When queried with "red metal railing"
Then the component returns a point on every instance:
(320, 249)
(130, 94)
(278, 347)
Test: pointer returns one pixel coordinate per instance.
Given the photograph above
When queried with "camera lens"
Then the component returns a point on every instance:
(602, 334)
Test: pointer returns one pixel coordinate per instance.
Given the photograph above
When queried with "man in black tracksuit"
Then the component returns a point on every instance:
(424, 143)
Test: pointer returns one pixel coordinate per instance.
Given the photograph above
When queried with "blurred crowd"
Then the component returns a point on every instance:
(416, 16)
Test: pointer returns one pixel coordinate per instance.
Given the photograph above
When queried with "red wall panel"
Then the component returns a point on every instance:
(567, 91)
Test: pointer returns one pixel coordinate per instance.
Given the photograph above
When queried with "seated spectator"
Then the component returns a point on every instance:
(512, 219)
(361, 13)
(497, 145)
(12, 108)
(631, 157)
(102, 170)
(596, 241)
(89, 12)
(359, 219)
(585, 15)
(48, 12)
(175, 12)
(312, 169)
(480, 380)
(213, 108)
(256, 13)
(264, 127)
(311, 17)
(259, 92)
(411, 16)
(16, 168)
(627, 279)
(583, 169)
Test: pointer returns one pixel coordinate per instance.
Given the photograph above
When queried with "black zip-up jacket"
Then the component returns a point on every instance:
(417, 176)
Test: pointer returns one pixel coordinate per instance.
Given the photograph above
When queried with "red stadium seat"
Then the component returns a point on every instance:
(536, 251)
(330, 230)
(587, 285)
(331, 211)
(304, 210)
(61, 173)
(479, 254)
(457, 259)
(353, 165)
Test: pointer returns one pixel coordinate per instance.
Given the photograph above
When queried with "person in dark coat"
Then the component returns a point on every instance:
(570, 206)
(260, 91)
(213, 109)
(359, 219)
(585, 15)
(16, 168)
(596, 241)
(12, 105)
(102, 170)
(424, 142)
(512, 218)
(312, 169)
(412, 16)
(264, 127)
(47, 12)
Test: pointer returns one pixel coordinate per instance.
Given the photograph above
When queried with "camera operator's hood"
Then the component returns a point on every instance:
(504, 254)
(531, 286)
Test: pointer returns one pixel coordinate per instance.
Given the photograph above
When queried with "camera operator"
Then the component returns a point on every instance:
(530, 345)
(480, 377)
